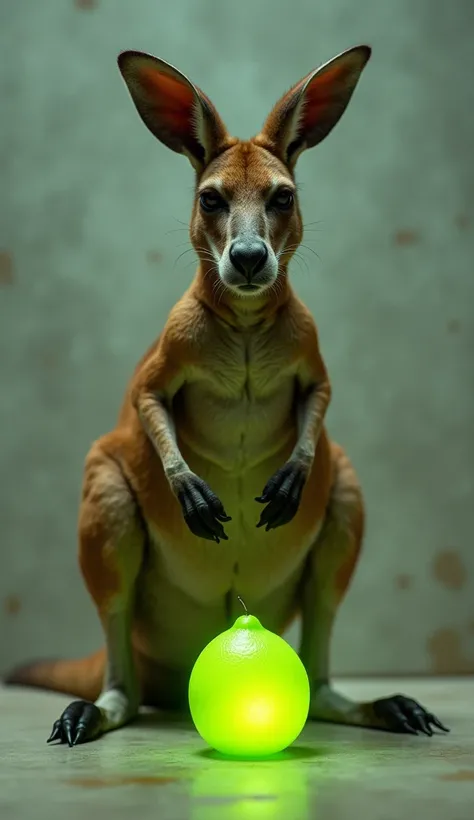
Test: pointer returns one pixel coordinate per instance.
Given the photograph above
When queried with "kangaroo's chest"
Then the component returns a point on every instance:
(238, 408)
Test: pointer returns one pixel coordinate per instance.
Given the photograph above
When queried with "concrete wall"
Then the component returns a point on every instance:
(90, 204)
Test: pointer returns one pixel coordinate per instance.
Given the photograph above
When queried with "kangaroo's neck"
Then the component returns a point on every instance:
(238, 311)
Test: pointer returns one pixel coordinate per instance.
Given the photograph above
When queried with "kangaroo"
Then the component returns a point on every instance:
(220, 479)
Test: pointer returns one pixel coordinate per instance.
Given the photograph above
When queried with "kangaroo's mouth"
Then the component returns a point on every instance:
(249, 286)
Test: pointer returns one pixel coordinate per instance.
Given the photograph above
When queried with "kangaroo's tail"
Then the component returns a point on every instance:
(81, 678)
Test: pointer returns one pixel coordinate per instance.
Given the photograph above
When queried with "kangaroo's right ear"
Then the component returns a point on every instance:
(174, 109)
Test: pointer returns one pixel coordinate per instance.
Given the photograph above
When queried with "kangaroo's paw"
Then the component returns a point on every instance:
(80, 722)
(399, 713)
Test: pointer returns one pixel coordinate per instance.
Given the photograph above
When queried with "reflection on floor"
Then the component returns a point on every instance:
(160, 769)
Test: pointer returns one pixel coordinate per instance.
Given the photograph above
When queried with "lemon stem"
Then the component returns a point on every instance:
(241, 601)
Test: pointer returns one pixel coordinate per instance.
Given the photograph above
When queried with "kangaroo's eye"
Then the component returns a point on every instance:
(211, 201)
(283, 200)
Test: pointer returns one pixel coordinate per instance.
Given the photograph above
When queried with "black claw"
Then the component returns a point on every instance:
(402, 714)
(202, 510)
(80, 735)
(406, 727)
(282, 495)
(421, 719)
(416, 714)
(434, 720)
(55, 733)
(197, 523)
(68, 733)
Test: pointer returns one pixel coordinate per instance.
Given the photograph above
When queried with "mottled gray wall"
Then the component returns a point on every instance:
(89, 206)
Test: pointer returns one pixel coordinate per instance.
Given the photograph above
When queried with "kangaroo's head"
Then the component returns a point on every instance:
(246, 221)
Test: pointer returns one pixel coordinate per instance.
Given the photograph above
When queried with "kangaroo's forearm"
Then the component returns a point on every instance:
(312, 408)
(157, 421)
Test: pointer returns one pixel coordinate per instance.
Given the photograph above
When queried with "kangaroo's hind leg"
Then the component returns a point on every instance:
(330, 567)
(111, 545)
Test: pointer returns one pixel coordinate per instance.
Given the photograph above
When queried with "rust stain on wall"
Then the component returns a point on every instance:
(6, 268)
(86, 5)
(12, 604)
(405, 236)
(462, 221)
(453, 326)
(403, 581)
(447, 653)
(449, 570)
(154, 257)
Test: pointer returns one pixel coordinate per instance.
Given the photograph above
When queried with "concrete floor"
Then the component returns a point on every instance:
(160, 769)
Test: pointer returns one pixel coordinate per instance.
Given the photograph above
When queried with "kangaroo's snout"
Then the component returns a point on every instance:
(248, 257)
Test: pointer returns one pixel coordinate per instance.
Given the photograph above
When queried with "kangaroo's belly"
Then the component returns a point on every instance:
(189, 586)
(173, 624)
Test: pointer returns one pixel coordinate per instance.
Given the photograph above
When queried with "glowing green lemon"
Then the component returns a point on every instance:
(249, 691)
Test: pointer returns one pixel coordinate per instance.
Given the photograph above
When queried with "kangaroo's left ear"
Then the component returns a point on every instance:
(309, 111)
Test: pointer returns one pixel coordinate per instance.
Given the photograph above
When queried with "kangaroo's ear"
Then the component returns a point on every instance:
(310, 110)
(174, 109)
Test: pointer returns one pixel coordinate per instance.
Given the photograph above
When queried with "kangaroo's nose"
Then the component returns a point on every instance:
(248, 257)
